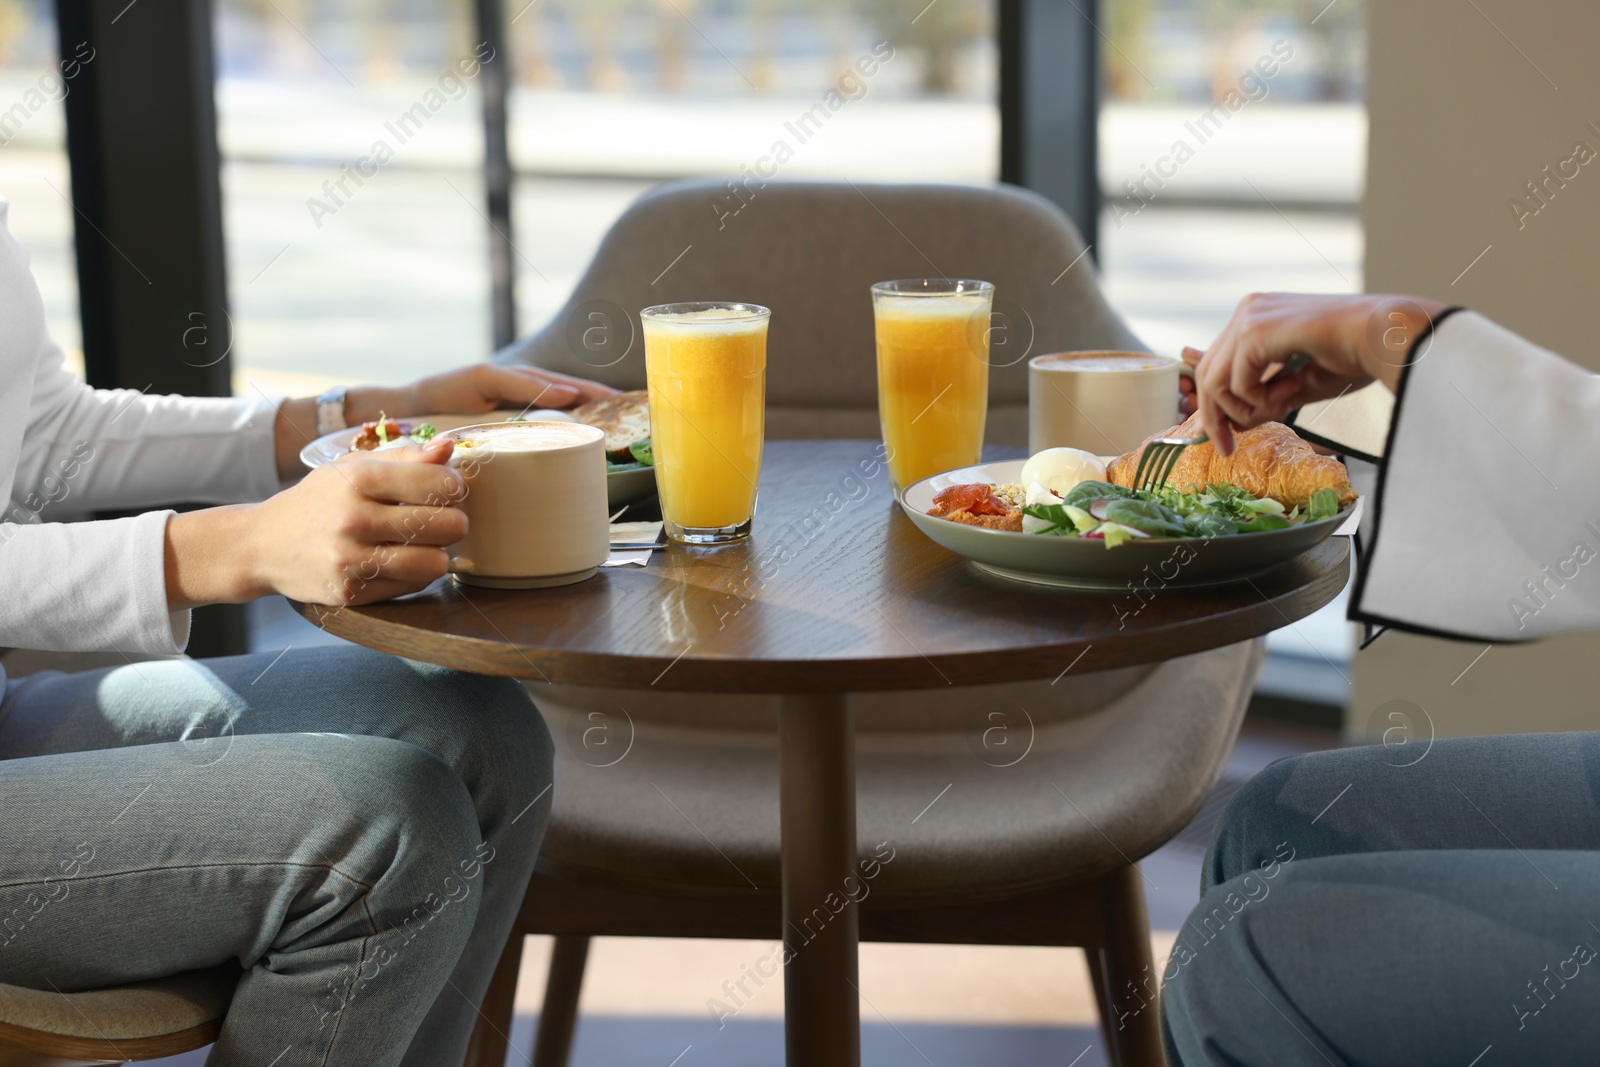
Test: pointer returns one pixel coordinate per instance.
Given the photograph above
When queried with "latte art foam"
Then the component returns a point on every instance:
(1104, 361)
(523, 437)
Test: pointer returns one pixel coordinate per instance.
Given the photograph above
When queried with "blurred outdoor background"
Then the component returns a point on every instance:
(613, 96)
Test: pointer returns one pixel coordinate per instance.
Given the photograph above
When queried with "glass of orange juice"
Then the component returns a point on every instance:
(706, 365)
(933, 373)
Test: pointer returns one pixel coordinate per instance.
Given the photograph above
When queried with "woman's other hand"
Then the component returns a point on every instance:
(1352, 340)
(469, 390)
(491, 386)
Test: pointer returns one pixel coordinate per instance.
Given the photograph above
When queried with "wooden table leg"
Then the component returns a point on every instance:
(822, 1018)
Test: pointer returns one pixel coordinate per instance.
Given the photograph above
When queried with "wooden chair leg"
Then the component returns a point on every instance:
(558, 1019)
(1132, 984)
(492, 1035)
(1095, 958)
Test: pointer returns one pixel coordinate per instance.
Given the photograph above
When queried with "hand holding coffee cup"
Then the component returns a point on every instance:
(1102, 402)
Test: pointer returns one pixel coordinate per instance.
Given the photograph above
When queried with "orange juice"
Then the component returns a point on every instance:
(933, 374)
(706, 365)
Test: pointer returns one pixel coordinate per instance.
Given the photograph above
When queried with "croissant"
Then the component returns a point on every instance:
(1270, 460)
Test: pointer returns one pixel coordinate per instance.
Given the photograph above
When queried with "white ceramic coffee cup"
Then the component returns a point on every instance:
(535, 504)
(1102, 402)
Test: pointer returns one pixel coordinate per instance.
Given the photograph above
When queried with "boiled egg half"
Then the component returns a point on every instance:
(1059, 469)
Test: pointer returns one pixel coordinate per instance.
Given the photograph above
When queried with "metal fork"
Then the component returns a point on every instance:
(1161, 455)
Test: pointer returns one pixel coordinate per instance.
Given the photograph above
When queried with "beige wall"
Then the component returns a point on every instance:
(1463, 113)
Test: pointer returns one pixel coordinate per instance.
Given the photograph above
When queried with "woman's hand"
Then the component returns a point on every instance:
(488, 386)
(363, 529)
(469, 390)
(1351, 340)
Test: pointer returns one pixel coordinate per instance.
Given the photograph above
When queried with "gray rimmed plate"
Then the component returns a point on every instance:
(622, 487)
(1073, 563)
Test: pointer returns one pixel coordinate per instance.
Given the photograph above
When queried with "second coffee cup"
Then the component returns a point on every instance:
(1102, 402)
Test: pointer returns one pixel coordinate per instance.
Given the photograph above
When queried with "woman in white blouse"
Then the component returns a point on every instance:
(353, 831)
(1364, 909)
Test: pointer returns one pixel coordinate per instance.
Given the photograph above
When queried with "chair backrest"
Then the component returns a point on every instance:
(810, 251)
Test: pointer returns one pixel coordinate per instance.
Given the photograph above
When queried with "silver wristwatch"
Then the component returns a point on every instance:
(330, 411)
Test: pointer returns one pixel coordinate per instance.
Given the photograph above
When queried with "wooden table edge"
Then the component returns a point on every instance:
(688, 673)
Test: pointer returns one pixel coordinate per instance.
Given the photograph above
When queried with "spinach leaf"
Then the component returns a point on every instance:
(1324, 504)
(1262, 523)
(642, 452)
(1211, 524)
(1062, 523)
(1080, 495)
(1149, 516)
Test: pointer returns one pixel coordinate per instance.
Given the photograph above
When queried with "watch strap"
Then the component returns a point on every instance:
(330, 411)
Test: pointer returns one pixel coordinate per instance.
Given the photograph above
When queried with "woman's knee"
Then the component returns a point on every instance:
(1212, 985)
(492, 713)
(1250, 833)
(382, 833)
(406, 791)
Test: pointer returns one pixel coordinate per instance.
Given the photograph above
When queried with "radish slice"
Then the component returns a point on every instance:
(1097, 506)
(1130, 531)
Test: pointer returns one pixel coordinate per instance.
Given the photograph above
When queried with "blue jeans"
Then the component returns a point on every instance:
(1364, 907)
(353, 830)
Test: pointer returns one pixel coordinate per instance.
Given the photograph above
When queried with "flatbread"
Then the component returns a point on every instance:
(624, 418)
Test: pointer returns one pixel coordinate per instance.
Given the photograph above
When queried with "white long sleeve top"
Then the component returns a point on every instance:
(67, 447)
(1485, 524)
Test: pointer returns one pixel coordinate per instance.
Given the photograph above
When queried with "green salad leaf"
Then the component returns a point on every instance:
(1215, 510)
(1151, 516)
(1115, 534)
(424, 432)
(1210, 524)
(1265, 522)
(1084, 493)
(642, 452)
(1324, 504)
(1063, 523)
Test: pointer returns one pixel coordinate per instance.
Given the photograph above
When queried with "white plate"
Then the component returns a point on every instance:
(1088, 564)
(622, 487)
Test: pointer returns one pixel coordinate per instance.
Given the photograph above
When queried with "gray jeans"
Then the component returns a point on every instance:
(1399, 905)
(355, 831)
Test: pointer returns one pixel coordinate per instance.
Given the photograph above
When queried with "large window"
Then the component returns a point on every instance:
(615, 95)
(386, 278)
(334, 276)
(33, 159)
(1233, 156)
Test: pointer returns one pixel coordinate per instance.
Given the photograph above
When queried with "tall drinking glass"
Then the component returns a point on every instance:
(933, 373)
(707, 370)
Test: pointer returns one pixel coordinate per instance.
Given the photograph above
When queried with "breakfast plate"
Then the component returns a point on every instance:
(1082, 563)
(622, 487)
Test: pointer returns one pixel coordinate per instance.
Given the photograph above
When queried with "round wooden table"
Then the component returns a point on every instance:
(835, 592)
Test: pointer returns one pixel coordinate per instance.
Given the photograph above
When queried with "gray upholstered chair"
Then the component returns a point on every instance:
(143, 1021)
(810, 251)
(1015, 812)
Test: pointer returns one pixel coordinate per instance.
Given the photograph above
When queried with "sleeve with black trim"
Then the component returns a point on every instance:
(1485, 524)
